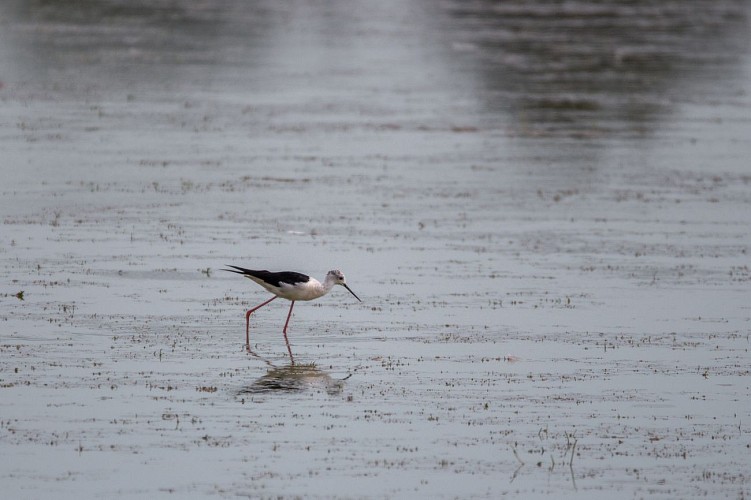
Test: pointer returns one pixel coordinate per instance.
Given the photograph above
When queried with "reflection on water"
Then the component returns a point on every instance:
(317, 75)
(101, 42)
(582, 68)
(294, 378)
(548, 67)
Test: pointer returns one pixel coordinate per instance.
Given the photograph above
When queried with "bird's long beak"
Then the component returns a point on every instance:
(350, 291)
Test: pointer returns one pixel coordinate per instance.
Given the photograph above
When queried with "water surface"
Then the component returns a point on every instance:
(544, 207)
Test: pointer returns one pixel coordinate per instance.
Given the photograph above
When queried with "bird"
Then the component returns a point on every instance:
(292, 286)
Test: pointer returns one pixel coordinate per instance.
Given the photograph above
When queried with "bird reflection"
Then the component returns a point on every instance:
(295, 378)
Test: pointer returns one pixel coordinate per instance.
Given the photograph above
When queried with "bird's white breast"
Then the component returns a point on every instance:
(302, 291)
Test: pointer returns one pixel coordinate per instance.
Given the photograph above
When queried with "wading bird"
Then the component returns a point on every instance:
(291, 286)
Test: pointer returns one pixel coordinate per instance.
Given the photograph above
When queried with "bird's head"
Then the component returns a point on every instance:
(337, 278)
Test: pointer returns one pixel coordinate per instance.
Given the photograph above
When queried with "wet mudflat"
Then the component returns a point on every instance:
(544, 207)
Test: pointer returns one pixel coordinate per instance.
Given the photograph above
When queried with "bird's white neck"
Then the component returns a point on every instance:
(328, 284)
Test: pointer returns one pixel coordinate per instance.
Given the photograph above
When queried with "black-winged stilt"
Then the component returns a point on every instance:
(291, 286)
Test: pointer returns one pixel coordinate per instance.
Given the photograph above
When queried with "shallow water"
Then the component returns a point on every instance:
(543, 206)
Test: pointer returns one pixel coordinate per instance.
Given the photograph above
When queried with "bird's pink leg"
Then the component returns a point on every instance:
(247, 322)
(289, 349)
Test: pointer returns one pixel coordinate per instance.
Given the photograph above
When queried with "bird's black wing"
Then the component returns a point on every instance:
(275, 279)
